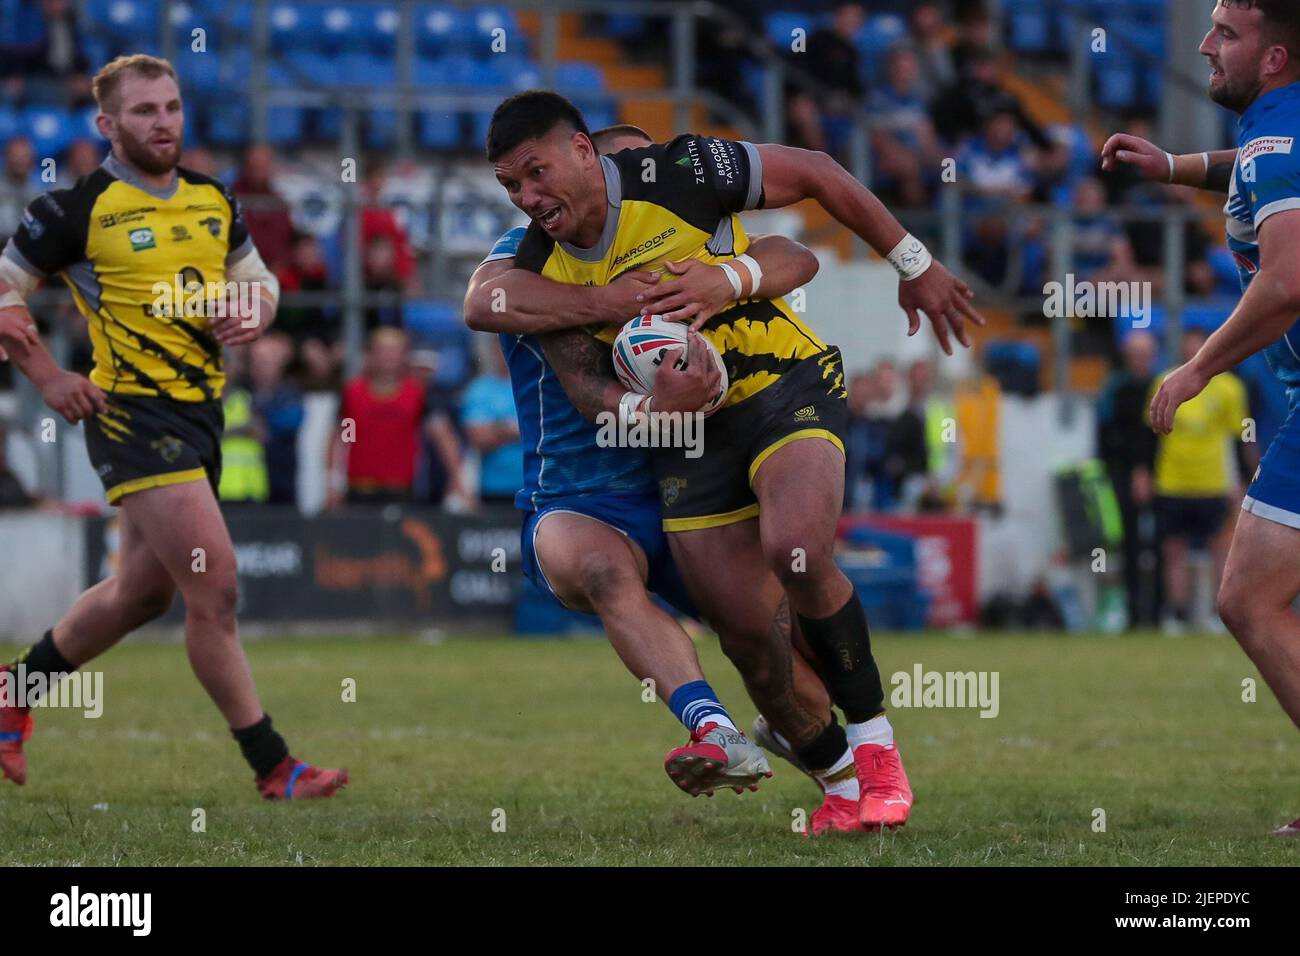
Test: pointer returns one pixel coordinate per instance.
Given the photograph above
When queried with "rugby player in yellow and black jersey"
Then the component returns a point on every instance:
(758, 511)
(162, 268)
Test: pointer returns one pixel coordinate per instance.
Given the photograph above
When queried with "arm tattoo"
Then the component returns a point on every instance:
(1219, 177)
(585, 366)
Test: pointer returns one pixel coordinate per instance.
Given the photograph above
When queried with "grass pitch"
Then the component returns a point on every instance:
(551, 740)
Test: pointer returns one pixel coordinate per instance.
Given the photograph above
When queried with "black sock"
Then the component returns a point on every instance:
(843, 648)
(261, 746)
(44, 658)
(829, 747)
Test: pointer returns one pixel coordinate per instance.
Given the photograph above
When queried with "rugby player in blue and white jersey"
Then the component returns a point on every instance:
(1253, 48)
(592, 531)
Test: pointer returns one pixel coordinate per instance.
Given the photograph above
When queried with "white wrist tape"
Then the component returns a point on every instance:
(1170, 157)
(910, 258)
(733, 277)
(627, 407)
(755, 272)
(1205, 158)
(21, 283)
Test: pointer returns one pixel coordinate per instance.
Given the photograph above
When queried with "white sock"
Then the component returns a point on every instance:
(874, 731)
(841, 780)
(722, 720)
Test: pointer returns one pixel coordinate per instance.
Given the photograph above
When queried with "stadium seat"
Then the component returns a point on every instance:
(10, 123)
(377, 28)
(185, 19)
(1117, 82)
(1029, 27)
(201, 74)
(436, 29)
(51, 129)
(131, 20)
(485, 20)
(623, 26)
(428, 320)
(780, 28)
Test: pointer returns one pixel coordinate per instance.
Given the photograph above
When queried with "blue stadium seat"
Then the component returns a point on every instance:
(485, 20)
(377, 27)
(579, 78)
(439, 129)
(437, 28)
(623, 26)
(427, 320)
(83, 124)
(201, 74)
(21, 23)
(51, 129)
(294, 25)
(1117, 80)
(127, 19)
(185, 19)
(10, 123)
(229, 120)
(1029, 26)
(780, 28)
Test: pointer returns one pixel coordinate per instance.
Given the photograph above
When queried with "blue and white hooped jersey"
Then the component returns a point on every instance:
(1266, 181)
(561, 455)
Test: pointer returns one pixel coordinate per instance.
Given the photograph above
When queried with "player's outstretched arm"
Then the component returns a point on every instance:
(791, 175)
(72, 396)
(1211, 171)
(1268, 308)
(701, 290)
(585, 366)
(502, 298)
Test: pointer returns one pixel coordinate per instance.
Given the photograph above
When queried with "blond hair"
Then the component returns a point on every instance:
(106, 82)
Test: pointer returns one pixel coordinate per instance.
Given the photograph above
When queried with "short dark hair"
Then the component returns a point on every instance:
(1283, 15)
(618, 129)
(530, 115)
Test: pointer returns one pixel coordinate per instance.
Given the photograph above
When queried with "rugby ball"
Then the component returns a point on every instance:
(641, 346)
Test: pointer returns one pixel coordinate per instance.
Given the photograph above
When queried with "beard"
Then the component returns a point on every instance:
(143, 156)
(1236, 96)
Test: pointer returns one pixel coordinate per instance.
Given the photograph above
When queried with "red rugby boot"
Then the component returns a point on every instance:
(294, 780)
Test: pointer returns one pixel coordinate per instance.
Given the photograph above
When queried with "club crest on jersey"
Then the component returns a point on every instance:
(141, 239)
(671, 489)
(213, 224)
(169, 448)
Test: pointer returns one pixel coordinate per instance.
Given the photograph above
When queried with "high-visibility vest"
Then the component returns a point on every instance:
(243, 460)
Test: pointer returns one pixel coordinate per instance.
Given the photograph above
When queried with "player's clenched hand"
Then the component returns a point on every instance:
(1181, 385)
(1147, 158)
(621, 298)
(73, 396)
(699, 293)
(945, 300)
(17, 327)
(239, 325)
(686, 389)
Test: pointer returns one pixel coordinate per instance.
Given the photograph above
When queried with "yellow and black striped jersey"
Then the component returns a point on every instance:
(675, 201)
(117, 243)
